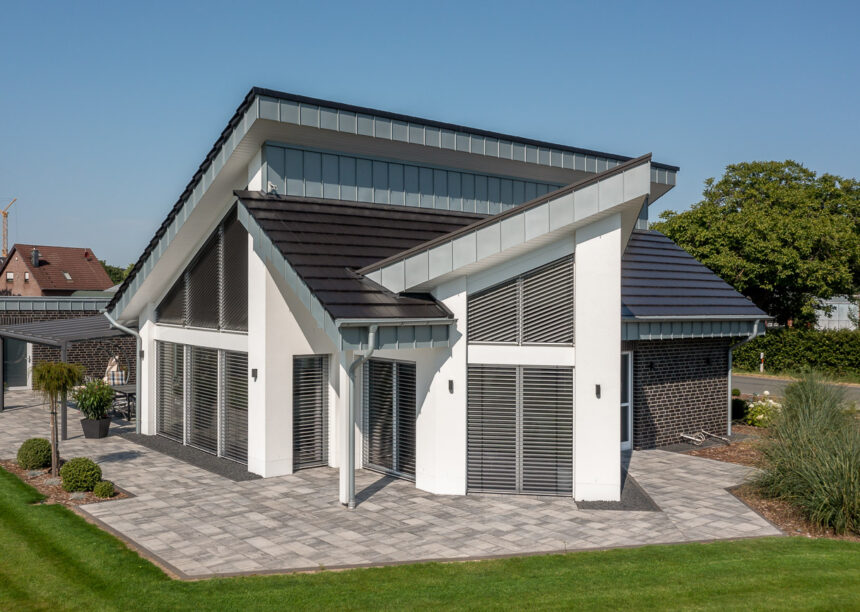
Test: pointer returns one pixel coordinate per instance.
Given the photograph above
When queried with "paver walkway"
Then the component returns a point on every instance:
(201, 524)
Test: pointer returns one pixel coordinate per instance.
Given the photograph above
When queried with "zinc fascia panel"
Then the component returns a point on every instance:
(513, 231)
(610, 192)
(417, 269)
(488, 241)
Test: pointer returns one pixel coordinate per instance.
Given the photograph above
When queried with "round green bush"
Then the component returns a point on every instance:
(104, 489)
(80, 474)
(34, 454)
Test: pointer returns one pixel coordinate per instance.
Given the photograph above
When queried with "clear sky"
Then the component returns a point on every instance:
(106, 111)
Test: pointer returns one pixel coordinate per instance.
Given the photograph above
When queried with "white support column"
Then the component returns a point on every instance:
(146, 371)
(597, 452)
(440, 453)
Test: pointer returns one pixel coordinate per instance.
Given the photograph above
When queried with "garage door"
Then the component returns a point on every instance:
(389, 417)
(520, 430)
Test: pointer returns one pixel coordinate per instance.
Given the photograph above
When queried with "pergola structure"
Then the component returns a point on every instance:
(60, 333)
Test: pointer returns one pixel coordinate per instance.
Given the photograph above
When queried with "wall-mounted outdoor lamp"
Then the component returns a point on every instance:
(450, 385)
(597, 391)
(254, 374)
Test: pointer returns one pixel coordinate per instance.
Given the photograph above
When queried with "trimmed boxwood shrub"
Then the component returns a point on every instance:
(104, 489)
(80, 474)
(34, 454)
(835, 351)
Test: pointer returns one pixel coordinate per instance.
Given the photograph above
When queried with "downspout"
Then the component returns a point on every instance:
(350, 421)
(138, 356)
(732, 348)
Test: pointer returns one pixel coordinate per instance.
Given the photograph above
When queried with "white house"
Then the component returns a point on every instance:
(473, 311)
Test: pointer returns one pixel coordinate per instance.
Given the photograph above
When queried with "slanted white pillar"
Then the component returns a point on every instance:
(271, 344)
(597, 454)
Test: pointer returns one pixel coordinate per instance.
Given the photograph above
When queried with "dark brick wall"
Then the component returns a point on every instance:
(679, 386)
(92, 354)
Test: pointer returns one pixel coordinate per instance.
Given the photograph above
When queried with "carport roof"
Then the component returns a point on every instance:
(62, 331)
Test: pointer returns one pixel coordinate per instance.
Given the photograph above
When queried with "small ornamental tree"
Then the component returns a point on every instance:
(55, 379)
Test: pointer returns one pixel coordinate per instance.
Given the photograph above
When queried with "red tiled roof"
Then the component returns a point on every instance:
(81, 264)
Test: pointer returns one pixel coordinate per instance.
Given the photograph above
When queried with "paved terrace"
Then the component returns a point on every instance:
(198, 524)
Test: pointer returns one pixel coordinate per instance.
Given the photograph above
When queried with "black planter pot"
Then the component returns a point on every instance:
(95, 428)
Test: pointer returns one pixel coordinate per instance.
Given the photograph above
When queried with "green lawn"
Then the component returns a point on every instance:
(52, 559)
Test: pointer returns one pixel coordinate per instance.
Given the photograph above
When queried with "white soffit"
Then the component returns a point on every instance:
(526, 228)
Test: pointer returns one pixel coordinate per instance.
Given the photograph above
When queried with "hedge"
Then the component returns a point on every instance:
(787, 349)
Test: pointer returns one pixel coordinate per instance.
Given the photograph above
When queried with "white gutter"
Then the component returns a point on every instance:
(393, 322)
(139, 356)
(752, 335)
(349, 473)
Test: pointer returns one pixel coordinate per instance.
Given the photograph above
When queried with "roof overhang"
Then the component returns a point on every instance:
(690, 328)
(269, 115)
(494, 240)
(63, 331)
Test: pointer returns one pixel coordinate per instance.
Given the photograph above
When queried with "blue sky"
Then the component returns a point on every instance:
(106, 111)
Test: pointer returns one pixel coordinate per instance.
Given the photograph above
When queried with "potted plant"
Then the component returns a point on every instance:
(94, 400)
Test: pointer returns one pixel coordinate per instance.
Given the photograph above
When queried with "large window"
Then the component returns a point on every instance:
(310, 411)
(202, 398)
(212, 292)
(389, 417)
(535, 308)
(520, 429)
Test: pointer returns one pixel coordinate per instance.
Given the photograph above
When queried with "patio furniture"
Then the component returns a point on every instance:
(126, 397)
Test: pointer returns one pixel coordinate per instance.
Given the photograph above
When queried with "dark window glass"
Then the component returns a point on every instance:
(172, 307)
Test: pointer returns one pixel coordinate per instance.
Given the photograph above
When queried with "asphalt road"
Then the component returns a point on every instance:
(776, 386)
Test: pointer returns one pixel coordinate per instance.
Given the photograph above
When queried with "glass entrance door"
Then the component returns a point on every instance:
(626, 401)
(14, 363)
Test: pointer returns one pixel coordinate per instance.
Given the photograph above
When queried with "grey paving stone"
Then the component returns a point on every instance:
(203, 523)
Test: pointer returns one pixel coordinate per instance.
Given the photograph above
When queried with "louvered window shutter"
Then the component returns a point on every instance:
(405, 411)
(547, 430)
(548, 304)
(203, 286)
(389, 417)
(234, 288)
(492, 429)
(310, 411)
(170, 390)
(493, 315)
(203, 399)
(235, 402)
(379, 414)
(172, 308)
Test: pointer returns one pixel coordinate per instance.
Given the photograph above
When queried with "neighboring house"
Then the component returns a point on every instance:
(843, 314)
(473, 311)
(32, 270)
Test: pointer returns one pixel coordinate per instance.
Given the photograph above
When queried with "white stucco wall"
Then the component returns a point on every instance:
(597, 420)
(280, 328)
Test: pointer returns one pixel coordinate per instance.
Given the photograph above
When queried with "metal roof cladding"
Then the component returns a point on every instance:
(254, 93)
(62, 331)
(325, 241)
(659, 279)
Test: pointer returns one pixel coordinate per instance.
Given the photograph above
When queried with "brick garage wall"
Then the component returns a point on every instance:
(92, 354)
(679, 386)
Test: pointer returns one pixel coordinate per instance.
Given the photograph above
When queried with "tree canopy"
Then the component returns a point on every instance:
(117, 274)
(778, 233)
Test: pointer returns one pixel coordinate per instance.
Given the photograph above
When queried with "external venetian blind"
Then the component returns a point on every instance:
(389, 417)
(535, 308)
(170, 390)
(520, 429)
(310, 411)
(235, 402)
(492, 429)
(547, 309)
(234, 309)
(212, 292)
(203, 399)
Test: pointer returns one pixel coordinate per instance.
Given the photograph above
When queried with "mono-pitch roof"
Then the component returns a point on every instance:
(660, 280)
(62, 331)
(260, 103)
(325, 241)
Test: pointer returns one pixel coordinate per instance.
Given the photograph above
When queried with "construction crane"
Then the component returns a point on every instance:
(5, 214)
